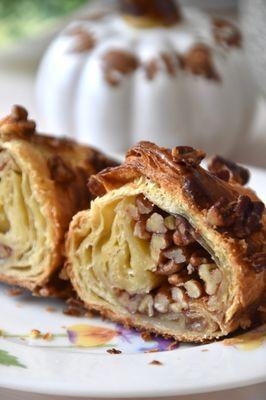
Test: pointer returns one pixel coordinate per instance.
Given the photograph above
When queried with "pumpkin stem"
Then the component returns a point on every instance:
(150, 13)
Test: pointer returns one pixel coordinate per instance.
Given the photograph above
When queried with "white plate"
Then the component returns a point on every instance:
(61, 367)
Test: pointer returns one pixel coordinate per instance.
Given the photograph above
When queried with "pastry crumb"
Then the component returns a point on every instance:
(35, 334)
(48, 336)
(204, 350)
(14, 292)
(146, 336)
(156, 362)
(50, 309)
(72, 311)
(151, 351)
(114, 351)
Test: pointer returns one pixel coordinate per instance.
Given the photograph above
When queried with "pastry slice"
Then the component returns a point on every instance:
(169, 247)
(43, 183)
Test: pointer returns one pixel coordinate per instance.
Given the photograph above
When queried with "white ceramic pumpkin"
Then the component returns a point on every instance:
(149, 71)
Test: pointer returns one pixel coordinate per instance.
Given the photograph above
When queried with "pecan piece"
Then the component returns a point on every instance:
(183, 235)
(144, 206)
(187, 155)
(170, 222)
(146, 305)
(199, 257)
(168, 268)
(180, 299)
(161, 302)
(60, 172)
(159, 242)
(179, 255)
(140, 230)
(212, 277)
(155, 224)
(228, 170)
(193, 288)
(239, 218)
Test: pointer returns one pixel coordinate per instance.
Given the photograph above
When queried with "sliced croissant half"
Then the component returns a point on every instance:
(43, 183)
(169, 247)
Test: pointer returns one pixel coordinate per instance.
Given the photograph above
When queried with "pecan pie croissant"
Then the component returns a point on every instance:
(169, 247)
(43, 183)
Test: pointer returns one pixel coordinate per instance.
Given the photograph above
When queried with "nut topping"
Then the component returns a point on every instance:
(212, 277)
(187, 155)
(228, 170)
(140, 230)
(193, 288)
(155, 224)
(240, 218)
(144, 205)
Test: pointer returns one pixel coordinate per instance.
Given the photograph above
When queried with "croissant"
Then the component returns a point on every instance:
(169, 247)
(43, 183)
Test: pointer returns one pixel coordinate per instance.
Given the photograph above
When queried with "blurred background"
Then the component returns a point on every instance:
(222, 110)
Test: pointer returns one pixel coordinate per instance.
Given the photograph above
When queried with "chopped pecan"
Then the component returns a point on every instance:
(212, 277)
(199, 257)
(179, 255)
(187, 155)
(140, 230)
(226, 33)
(155, 224)
(183, 235)
(239, 218)
(60, 172)
(133, 212)
(118, 63)
(196, 190)
(193, 288)
(144, 205)
(146, 305)
(259, 261)
(19, 113)
(180, 298)
(170, 222)
(168, 268)
(159, 242)
(228, 170)
(161, 302)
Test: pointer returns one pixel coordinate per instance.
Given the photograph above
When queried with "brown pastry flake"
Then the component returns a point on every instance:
(114, 351)
(187, 155)
(156, 362)
(84, 40)
(60, 172)
(117, 63)
(228, 170)
(239, 218)
(226, 33)
(198, 60)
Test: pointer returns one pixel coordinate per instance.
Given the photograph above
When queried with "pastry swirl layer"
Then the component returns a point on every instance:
(43, 183)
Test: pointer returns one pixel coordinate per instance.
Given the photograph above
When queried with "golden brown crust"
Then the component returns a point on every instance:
(58, 170)
(230, 217)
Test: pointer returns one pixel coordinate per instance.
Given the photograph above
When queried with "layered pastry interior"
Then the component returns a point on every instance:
(147, 257)
(43, 183)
